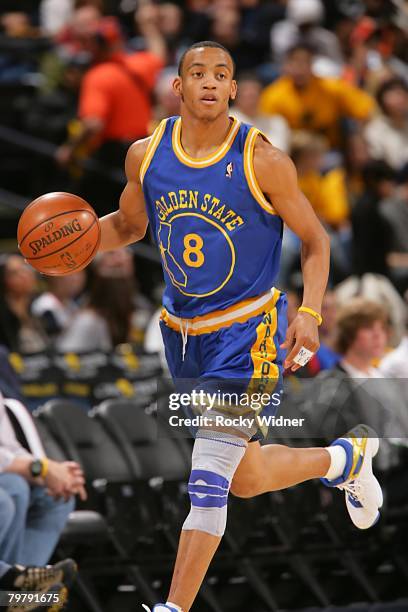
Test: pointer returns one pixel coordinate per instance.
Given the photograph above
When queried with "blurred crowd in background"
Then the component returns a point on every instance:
(326, 81)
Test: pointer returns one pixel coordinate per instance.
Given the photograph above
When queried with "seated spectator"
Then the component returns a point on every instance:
(354, 391)
(114, 314)
(116, 85)
(361, 337)
(361, 340)
(19, 330)
(325, 190)
(387, 133)
(36, 492)
(376, 288)
(56, 307)
(246, 109)
(312, 103)
(303, 24)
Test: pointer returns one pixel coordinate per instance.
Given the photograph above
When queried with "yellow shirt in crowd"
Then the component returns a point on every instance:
(327, 194)
(318, 107)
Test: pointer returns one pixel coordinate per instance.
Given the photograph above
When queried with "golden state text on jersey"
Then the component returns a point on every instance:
(219, 237)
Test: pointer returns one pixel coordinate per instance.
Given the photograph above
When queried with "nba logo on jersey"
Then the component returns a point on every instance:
(230, 167)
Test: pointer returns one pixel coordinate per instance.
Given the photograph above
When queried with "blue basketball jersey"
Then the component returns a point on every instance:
(219, 237)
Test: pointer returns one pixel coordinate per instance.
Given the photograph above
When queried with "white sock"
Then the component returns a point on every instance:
(168, 603)
(338, 461)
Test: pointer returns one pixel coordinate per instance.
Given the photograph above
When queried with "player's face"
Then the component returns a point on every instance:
(206, 84)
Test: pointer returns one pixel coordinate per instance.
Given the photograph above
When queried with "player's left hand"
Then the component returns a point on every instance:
(303, 331)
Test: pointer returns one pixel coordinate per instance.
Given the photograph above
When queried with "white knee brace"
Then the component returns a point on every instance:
(216, 457)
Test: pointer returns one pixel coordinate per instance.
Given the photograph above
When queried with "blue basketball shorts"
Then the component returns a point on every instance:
(233, 349)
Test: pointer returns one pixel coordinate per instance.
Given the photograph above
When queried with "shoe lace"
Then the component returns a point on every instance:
(355, 489)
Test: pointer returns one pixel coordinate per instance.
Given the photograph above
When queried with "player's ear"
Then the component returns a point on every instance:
(233, 93)
(177, 87)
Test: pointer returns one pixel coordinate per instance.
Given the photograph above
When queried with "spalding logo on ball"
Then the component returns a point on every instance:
(59, 233)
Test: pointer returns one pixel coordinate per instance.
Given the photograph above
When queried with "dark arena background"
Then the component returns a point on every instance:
(327, 82)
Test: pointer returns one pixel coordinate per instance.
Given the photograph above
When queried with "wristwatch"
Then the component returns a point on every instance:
(36, 468)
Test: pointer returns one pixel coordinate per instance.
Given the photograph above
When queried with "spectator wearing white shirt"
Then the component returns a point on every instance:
(36, 493)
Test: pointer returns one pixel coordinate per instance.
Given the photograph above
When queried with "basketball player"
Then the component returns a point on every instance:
(217, 194)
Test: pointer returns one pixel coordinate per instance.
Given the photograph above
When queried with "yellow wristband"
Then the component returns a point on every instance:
(312, 312)
(44, 467)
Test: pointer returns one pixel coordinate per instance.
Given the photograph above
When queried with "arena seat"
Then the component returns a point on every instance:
(52, 448)
(138, 435)
(85, 440)
(82, 524)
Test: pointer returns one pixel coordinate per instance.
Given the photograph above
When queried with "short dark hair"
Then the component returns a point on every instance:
(386, 86)
(212, 44)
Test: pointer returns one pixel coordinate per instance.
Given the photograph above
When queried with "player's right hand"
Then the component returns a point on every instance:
(303, 331)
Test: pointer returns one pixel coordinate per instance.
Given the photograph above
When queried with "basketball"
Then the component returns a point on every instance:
(58, 233)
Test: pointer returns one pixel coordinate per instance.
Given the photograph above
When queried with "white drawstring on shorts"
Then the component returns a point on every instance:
(184, 336)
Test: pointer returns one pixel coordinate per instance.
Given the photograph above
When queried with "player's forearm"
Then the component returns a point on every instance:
(315, 267)
(115, 232)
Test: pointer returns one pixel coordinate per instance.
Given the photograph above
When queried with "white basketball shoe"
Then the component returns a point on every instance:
(362, 490)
